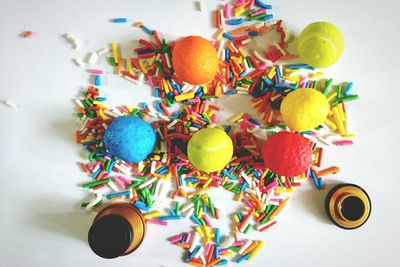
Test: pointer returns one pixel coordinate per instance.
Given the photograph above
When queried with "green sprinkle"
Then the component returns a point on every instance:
(177, 208)
(134, 185)
(111, 61)
(328, 83)
(96, 183)
(234, 249)
(339, 91)
(247, 228)
(211, 204)
(153, 188)
(257, 17)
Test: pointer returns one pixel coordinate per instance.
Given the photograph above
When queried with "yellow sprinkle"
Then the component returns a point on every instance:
(350, 136)
(200, 231)
(256, 250)
(165, 85)
(228, 254)
(205, 89)
(236, 117)
(115, 52)
(331, 96)
(275, 97)
(152, 214)
(282, 190)
(330, 124)
(241, 51)
(87, 139)
(338, 121)
(168, 176)
(271, 73)
(236, 218)
(129, 67)
(185, 96)
(218, 34)
(206, 184)
(316, 75)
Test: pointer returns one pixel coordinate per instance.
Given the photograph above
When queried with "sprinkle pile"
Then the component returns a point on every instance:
(167, 171)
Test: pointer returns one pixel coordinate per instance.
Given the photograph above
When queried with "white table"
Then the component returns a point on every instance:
(41, 222)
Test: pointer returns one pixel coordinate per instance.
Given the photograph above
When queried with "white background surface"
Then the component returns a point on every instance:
(41, 223)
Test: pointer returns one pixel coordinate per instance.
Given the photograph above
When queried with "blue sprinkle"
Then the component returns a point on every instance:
(196, 125)
(169, 218)
(228, 36)
(216, 252)
(191, 180)
(97, 80)
(240, 216)
(176, 115)
(147, 30)
(243, 73)
(235, 21)
(228, 128)
(118, 194)
(268, 81)
(172, 212)
(204, 209)
(230, 92)
(251, 33)
(244, 186)
(223, 262)
(156, 92)
(94, 175)
(217, 235)
(120, 20)
(263, 5)
(300, 66)
(227, 54)
(254, 121)
(230, 176)
(141, 205)
(194, 218)
(101, 99)
(268, 17)
(243, 258)
(180, 181)
(348, 88)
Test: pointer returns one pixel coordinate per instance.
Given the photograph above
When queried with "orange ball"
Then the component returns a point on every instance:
(195, 60)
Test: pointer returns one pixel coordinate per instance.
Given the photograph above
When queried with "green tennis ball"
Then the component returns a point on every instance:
(210, 149)
(320, 44)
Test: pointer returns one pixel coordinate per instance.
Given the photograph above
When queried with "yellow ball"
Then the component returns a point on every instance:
(304, 109)
(320, 44)
(210, 149)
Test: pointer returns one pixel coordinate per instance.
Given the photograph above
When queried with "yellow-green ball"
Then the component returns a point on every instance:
(320, 44)
(304, 109)
(210, 149)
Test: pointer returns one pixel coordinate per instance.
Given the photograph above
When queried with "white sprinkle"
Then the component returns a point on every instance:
(221, 47)
(195, 241)
(245, 246)
(187, 207)
(221, 14)
(110, 114)
(167, 60)
(242, 93)
(201, 6)
(79, 62)
(92, 58)
(201, 250)
(113, 186)
(189, 213)
(163, 117)
(165, 156)
(11, 104)
(169, 126)
(147, 183)
(102, 51)
(153, 167)
(228, 242)
(96, 200)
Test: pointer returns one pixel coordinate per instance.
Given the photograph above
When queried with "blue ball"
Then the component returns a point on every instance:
(130, 138)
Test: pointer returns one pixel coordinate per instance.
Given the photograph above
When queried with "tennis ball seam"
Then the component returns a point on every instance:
(315, 35)
(211, 149)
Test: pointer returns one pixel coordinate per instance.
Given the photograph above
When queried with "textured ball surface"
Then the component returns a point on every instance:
(130, 138)
(210, 149)
(195, 60)
(287, 154)
(304, 109)
(320, 44)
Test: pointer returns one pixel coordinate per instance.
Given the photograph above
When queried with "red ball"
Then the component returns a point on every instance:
(287, 154)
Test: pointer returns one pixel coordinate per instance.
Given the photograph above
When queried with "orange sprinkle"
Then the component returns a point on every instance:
(27, 34)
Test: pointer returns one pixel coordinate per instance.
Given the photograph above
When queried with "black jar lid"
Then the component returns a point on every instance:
(110, 236)
(348, 206)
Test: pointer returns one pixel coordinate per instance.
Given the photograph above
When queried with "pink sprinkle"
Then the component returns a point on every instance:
(150, 80)
(119, 182)
(223, 251)
(207, 250)
(216, 177)
(175, 239)
(207, 220)
(227, 11)
(155, 221)
(125, 180)
(238, 243)
(258, 12)
(251, 5)
(96, 71)
(214, 118)
(343, 142)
